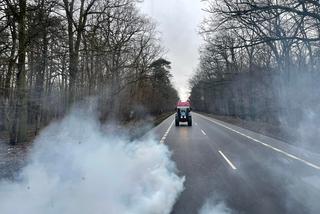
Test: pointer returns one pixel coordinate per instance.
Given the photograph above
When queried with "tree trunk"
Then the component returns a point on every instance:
(39, 87)
(19, 129)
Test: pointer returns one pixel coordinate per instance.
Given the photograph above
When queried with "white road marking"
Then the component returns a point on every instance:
(166, 133)
(266, 145)
(203, 132)
(196, 124)
(228, 161)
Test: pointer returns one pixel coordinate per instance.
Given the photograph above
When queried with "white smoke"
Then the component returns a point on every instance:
(76, 168)
(214, 207)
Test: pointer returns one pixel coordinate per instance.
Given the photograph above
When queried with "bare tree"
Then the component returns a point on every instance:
(253, 56)
(57, 52)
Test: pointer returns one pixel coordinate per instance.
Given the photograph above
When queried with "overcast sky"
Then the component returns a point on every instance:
(178, 21)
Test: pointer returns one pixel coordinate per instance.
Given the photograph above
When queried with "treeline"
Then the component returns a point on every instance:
(260, 60)
(54, 53)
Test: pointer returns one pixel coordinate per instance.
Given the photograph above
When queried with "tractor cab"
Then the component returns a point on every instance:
(183, 113)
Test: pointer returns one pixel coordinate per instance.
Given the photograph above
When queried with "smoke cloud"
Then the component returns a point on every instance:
(214, 207)
(75, 167)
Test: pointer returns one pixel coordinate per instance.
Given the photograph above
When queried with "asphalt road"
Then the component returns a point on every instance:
(248, 172)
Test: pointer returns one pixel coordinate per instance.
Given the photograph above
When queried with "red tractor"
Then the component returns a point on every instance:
(183, 113)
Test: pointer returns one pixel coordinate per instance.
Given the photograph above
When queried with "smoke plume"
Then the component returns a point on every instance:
(214, 207)
(76, 168)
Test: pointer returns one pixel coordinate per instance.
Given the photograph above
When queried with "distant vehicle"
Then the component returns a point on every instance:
(183, 113)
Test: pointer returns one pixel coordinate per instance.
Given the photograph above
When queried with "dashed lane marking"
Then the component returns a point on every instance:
(203, 132)
(227, 160)
(265, 144)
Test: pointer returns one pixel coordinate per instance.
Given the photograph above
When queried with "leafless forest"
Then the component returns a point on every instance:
(260, 61)
(54, 53)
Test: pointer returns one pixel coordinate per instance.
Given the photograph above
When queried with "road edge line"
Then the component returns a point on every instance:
(166, 133)
(265, 144)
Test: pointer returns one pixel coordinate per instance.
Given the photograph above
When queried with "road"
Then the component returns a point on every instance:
(248, 172)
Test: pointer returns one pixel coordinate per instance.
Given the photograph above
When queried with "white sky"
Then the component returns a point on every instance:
(178, 21)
